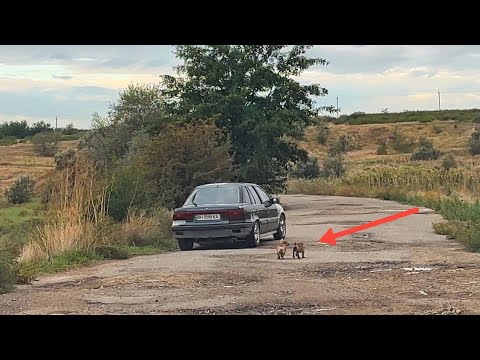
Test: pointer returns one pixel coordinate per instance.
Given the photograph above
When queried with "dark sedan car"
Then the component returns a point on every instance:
(238, 211)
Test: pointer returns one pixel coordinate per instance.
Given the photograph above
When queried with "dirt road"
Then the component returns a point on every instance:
(398, 268)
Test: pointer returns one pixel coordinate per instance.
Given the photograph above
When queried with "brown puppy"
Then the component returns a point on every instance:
(297, 249)
(282, 249)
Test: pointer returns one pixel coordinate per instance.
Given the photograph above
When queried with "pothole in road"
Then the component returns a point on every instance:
(355, 268)
(229, 280)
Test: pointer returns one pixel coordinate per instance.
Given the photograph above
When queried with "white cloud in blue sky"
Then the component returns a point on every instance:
(39, 82)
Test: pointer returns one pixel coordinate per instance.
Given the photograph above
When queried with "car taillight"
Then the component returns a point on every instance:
(236, 214)
(182, 215)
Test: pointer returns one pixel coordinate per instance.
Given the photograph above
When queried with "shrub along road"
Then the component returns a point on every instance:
(400, 267)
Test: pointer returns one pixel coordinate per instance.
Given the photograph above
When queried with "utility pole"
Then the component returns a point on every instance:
(438, 99)
(337, 106)
(56, 122)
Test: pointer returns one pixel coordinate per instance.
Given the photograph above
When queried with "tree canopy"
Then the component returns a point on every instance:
(254, 93)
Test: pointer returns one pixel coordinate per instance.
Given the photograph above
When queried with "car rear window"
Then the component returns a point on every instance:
(215, 195)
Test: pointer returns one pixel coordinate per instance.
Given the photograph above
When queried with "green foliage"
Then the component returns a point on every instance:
(400, 143)
(308, 169)
(359, 118)
(323, 132)
(341, 146)
(183, 157)
(8, 140)
(130, 189)
(257, 102)
(64, 159)
(476, 118)
(45, 143)
(138, 109)
(17, 129)
(426, 151)
(437, 129)
(333, 166)
(69, 129)
(449, 162)
(7, 272)
(474, 143)
(382, 148)
(39, 127)
(21, 191)
(449, 228)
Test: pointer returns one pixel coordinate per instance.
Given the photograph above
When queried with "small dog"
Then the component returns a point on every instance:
(297, 249)
(282, 249)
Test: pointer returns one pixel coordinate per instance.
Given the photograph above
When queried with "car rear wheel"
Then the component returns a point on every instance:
(281, 230)
(254, 237)
(185, 244)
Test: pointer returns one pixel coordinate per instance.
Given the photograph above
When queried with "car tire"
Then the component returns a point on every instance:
(253, 239)
(281, 229)
(185, 244)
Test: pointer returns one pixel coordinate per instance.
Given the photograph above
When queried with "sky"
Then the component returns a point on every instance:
(40, 82)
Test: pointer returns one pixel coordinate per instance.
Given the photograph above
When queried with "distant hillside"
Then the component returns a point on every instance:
(359, 118)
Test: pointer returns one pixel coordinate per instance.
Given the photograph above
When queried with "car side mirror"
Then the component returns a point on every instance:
(274, 200)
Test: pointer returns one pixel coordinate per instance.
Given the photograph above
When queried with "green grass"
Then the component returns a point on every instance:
(407, 116)
(75, 136)
(14, 217)
(7, 141)
(77, 258)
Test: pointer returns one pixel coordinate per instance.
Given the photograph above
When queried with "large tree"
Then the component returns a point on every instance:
(252, 91)
(138, 109)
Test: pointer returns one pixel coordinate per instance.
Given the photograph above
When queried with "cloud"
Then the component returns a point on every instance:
(63, 77)
(73, 81)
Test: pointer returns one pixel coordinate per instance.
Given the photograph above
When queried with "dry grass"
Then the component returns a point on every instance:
(145, 228)
(20, 159)
(76, 209)
(452, 138)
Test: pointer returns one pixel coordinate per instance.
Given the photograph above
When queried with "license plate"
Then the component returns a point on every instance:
(208, 217)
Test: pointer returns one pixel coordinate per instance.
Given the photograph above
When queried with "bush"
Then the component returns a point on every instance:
(142, 227)
(69, 129)
(64, 159)
(7, 272)
(476, 118)
(474, 143)
(341, 146)
(400, 143)
(382, 149)
(45, 143)
(130, 189)
(40, 127)
(309, 169)
(449, 162)
(333, 167)
(450, 228)
(323, 133)
(184, 156)
(21, 191)
(8, 140)
(426, 151)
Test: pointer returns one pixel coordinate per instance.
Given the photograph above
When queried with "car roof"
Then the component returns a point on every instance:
(225, 184)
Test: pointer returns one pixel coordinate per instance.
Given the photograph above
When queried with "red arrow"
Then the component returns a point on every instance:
(329, 237)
